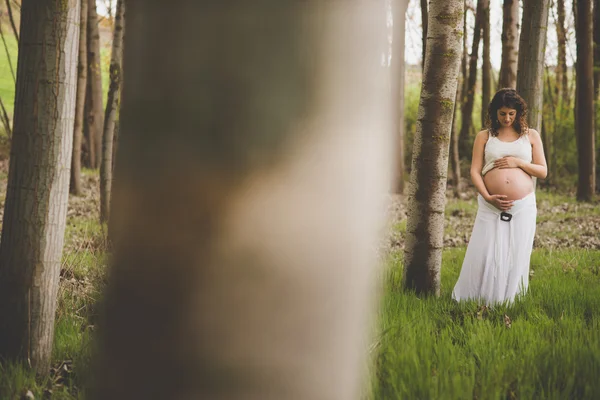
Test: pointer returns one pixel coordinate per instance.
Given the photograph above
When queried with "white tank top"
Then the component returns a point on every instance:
(495, 149)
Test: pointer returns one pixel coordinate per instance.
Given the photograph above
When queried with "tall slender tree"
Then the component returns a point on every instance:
(398, 70)
(94, 102)
(562, 79)
(112, 109)
(464, 145)
(38, 179)
(486, 68)
(427, 191)
(510, 44)
(75, 186)
(460, 96)
(241, 107)
(532, 45)
(424, 24)
(596, 24)
(584, 110)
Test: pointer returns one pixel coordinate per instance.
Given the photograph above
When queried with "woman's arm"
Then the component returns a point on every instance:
(477, 166)
(537, 167)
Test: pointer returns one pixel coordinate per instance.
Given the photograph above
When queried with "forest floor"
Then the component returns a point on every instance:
(568, 228)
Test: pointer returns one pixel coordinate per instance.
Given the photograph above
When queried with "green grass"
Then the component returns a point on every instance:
(435, 348)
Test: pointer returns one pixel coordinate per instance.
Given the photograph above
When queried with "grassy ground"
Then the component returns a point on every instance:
(545, 346)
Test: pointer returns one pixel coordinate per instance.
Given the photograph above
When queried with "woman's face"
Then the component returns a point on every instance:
(506, 116)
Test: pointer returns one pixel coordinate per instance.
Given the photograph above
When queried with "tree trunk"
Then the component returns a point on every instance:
(112, 109)
(584, 113)
(75, 185)
(245, 227)
(510, 44)
(460, 96)
(530, 75)
(427, 192)
(486, 70)
(38, 180)
(424, 23)
(464, 144)
(596, 24)
(95, 106)
(397, 70)
(562, 80)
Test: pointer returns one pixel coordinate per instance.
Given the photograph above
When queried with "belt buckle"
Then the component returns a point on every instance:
(504, 216)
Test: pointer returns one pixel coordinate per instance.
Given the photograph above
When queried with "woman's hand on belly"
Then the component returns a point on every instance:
(500, 201)
(514, 183)
(508, 162)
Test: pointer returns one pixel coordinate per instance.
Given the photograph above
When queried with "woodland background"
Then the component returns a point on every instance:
(546, 346)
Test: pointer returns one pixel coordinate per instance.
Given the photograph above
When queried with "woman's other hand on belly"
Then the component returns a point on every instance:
(500, 201)
(508, 162)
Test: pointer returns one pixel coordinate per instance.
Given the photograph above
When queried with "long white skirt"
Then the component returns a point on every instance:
(496, 265)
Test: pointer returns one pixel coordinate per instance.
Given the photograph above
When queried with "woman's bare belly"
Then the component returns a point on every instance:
(511, 182)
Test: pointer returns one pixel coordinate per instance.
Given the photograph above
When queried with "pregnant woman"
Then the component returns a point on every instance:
(506, 157)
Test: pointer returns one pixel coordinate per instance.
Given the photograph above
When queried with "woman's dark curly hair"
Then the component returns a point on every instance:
(509, 98)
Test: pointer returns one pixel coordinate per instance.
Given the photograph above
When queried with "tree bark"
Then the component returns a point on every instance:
(486, 70)
(530, 75)
(38, 180)
(424, 22)
(464, 144)
(112, 109)
(397, 69)
(95, 104)
(245, 107)
(75, 185)
(427, 192)
(562, 79)
(584, 112)
(510, 44)
(460, 98)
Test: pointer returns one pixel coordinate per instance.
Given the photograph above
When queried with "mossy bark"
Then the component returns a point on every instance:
(427, 191)
(38, 180)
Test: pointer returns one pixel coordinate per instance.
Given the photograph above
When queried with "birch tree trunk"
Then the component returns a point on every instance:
(532, 45)
(245, 227)
(75, 185)
(584, 112)
(510, 44)
(38, 180)
(110, 116)
(562, 79)
(95, 104)
(398, 70)
(464, 144)
(427, 192)
(486, 70)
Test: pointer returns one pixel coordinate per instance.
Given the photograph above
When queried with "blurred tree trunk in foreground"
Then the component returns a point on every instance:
(596, 25)
(427, 191)
(584, 110)
(38, 180)
(112, 110)
(398, 70)
(510, 44)
(245, 228)
(464, 146)
(75, 186)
